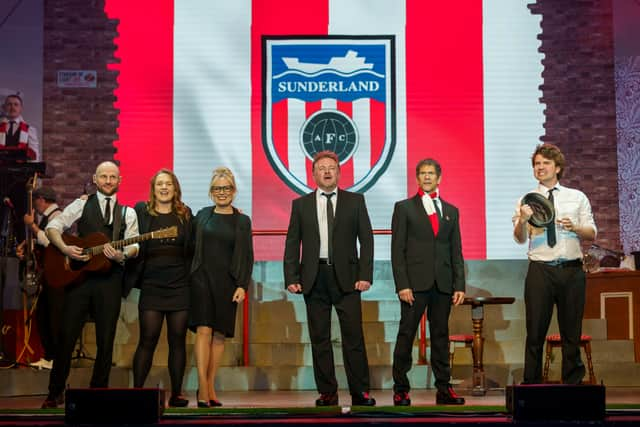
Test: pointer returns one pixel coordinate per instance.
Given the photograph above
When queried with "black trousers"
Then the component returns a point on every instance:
(546, 286)
(438, 306)
(49, 319)
(100, 298)
(324, 295)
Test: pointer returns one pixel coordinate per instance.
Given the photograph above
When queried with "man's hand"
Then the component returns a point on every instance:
(525, 213)
(74, 252)
(406, 295)
(295, 288)
(112, 253)
(20, 250)
(363, 285)
(238, 295)
(29, 218)
(457, 298)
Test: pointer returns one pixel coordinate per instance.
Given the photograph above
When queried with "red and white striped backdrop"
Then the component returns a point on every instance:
(467, 77)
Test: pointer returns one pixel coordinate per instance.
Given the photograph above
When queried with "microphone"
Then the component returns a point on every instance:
(7, 201)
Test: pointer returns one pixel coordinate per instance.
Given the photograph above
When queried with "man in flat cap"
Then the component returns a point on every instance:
(48, 311)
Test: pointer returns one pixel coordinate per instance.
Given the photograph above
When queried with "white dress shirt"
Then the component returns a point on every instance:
(73, 212)
(321, 208)
(569, 203)
(41, 237)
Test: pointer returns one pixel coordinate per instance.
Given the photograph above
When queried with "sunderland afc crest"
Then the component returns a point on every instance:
(329, 93)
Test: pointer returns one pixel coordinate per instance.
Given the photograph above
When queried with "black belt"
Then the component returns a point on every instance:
(562, 263)
(324, 261)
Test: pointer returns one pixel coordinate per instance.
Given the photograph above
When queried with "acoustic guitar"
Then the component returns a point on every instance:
(61, 270)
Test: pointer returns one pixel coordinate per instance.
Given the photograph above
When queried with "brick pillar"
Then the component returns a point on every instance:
(79, 125)
(579, 93)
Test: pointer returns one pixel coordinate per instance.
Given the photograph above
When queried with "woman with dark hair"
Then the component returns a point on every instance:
(162, 274)
(220, 274)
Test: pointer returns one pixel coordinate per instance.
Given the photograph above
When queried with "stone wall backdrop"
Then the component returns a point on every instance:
(79, 125)
(579, 92)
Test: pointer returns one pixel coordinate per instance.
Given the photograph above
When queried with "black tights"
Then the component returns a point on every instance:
(150, 327)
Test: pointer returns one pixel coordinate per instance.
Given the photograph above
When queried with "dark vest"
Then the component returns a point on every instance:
(12, 140)
(92, 220)
(45, 218)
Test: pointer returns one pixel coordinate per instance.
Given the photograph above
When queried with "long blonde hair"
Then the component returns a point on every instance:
(177, 206)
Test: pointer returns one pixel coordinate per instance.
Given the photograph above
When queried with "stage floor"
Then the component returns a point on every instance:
(271, 408)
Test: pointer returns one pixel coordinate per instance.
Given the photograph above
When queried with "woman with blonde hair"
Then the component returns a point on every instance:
(221, 272)
(161, 271)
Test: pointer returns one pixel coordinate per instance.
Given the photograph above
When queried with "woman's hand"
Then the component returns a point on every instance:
(238, 295)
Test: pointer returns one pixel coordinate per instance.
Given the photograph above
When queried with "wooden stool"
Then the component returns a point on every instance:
(555, 341)
(467, 340)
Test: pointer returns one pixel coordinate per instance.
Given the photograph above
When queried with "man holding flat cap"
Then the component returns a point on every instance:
(555, 275)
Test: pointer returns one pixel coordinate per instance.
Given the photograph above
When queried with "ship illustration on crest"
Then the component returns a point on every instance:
(348, 64)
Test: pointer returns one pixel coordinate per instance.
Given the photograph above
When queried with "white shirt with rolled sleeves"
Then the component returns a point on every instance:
(73, 212)
(568, 203)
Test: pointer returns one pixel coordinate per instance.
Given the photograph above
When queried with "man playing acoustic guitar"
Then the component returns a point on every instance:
(98, 294)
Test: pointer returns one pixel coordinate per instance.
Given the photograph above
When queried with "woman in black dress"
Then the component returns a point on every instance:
(221, 272)
(161, 271)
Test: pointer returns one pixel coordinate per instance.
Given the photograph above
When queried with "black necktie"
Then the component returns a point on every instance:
(551, 227)
(435, 205)
(107, 211)
(329, 225)
(11, 124)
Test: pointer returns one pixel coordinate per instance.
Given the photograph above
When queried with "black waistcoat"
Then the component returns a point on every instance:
(12, 140)
(92, 220)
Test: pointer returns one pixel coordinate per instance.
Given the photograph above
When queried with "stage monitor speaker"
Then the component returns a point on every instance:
(113, 405)
(556, 402)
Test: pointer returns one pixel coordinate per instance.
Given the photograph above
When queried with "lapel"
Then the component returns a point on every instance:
(340, 208)
(310, 211)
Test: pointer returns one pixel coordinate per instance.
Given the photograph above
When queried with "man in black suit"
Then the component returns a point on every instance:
(428, 269)
(326, 225)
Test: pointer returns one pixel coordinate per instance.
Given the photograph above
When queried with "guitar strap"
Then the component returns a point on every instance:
(118, 214)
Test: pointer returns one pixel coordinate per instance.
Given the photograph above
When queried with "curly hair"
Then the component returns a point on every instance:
(177, 205)
(551, 152)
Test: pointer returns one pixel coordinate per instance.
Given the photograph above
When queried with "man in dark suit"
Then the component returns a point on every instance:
(326, 225)
(428, 269)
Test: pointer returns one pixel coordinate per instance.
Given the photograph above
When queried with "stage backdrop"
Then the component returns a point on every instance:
(261, 85)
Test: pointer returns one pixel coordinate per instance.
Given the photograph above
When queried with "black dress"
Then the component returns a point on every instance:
(164, 280)
(223, 261)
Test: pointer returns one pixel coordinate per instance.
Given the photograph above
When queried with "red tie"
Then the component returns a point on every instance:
(434, 217)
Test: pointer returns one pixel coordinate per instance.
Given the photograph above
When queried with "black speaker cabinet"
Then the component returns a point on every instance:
(113, 405)
(556, 402)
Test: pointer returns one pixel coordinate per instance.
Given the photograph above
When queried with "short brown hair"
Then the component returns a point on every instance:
(551, 152)
(327, 154)
(429, 162)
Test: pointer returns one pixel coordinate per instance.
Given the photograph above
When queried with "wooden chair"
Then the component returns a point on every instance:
(466, 340)
(554, 341)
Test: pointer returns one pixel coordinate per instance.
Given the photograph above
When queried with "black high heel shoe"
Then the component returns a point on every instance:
(177, 401)
(201, 403)
(215, 403)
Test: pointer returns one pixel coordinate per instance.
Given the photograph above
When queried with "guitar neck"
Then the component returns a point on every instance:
(119, 244)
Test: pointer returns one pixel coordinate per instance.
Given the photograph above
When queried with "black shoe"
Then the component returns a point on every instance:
(178, 401)
(448, 397)
(327, 399)
(52, 401)
(362, 399)
(401, 398)
(215, 402)
(203, 404)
